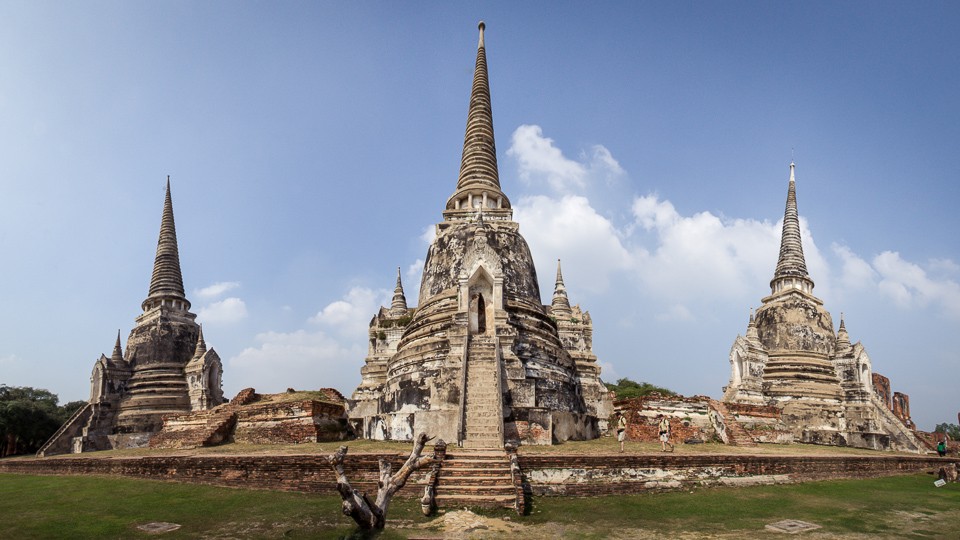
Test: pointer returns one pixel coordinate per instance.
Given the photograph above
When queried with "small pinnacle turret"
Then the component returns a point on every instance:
(117, 357)
(479, 183)
(201, 345)
(166, 283)
(399, 302)
(561, 303)
(791, 271)
(843, 338)
(753, 336)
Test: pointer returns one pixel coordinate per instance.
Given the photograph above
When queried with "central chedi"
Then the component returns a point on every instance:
(481, 360)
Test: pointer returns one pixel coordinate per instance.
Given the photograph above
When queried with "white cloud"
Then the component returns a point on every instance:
(675, 257)
(944, 267)
(909, 286)
(215, 290)
(226, 311)
(428, 235)
(602, 160)
(855, 273)
(299, 359)
(702, 255)
(570, 229)
(329, 354)
(351, 315)
(540, 161)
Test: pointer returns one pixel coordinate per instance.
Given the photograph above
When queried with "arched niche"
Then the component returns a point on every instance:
(481, 302)
(98, 383)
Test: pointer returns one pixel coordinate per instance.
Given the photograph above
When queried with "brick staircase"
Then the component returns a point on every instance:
(476, 478)
(61, 442)
(736, 435)
(204, 428)
(483, 417)
(207, 428)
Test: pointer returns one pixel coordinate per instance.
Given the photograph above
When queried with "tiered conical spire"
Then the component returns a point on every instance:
(560, 304)
(166, 281)
(399, 300)
(479, 175)
(791, 269)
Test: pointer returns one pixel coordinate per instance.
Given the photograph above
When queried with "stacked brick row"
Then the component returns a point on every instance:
(568, 475)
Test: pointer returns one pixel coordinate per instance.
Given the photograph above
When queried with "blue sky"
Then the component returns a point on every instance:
(312, 146)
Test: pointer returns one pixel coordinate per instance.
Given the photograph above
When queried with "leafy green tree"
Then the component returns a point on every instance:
(952, 430)
(626, 388)
(65, 411)
(28, 417)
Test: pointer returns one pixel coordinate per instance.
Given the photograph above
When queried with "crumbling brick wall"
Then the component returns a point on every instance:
(290, 422)
(901, 408)
(881, 385)
(688, 417)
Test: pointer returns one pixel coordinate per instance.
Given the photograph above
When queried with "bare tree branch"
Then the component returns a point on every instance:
(373, 515)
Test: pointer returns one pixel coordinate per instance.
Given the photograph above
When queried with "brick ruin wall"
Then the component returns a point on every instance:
(901, 408)
(762, 422)
(689, 417)
(251, 419)
(881, 385)
(290, 422)
(567, 475)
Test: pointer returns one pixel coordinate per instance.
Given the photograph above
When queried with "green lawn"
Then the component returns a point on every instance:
(108, 507)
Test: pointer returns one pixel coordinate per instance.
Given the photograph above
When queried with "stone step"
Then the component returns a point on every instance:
(484, 420)
(483, 501)
(484, 413)
(477, 468)
(482, 433)
(482, 428)
(461, 490)
(487, 480)
(457, 454)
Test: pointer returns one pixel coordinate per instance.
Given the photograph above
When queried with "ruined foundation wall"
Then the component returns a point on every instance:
(567, 475)
(587, 476)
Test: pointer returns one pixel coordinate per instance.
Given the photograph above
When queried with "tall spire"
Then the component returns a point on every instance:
(166, 283)
(479, 181)
(791, 269)
(560, 304)
(399, 300)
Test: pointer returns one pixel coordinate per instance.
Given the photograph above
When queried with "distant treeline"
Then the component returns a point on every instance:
(30, 416)
(625, 388)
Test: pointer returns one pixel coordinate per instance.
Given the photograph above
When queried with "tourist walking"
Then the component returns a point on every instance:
(621, 429)
(664, 428)
(942, 447)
